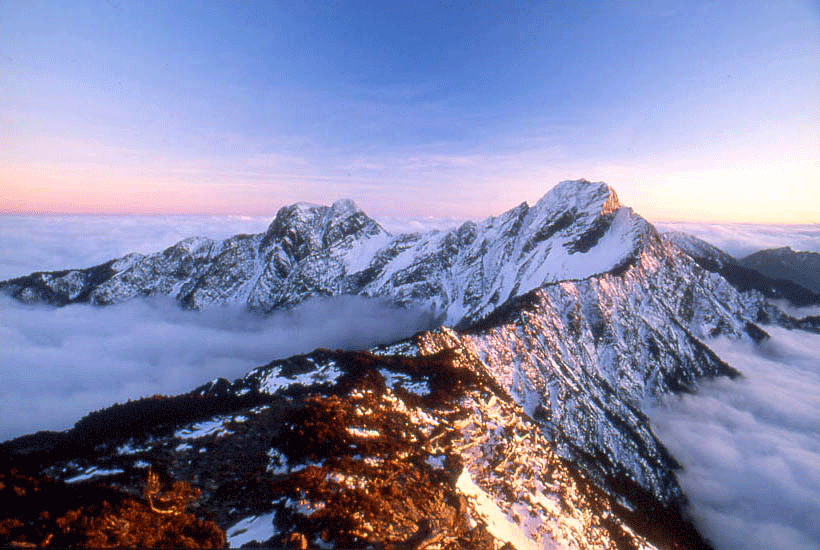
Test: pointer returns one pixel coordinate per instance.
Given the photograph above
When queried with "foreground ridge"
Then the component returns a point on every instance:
(354, 449)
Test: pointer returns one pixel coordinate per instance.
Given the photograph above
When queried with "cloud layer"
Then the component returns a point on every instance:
(742, 239)
(58, 364)
(750, 449)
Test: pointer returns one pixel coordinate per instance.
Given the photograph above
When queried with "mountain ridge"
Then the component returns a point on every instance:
(772, 272)
(800, 267)
(311, 250)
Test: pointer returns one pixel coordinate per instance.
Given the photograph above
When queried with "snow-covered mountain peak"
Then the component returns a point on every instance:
(581, 196)
(343, 206)
(304, 228)
(578, 229)
(195, 246)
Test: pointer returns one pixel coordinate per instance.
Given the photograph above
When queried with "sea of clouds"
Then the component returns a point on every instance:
(742, 239)
(750, 448)
(58, 364)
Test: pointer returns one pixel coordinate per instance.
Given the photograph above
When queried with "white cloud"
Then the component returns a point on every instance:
(742, 239)
(751, 448)
(58, 364)
(398, 225)
(42, 243)
(797, 312)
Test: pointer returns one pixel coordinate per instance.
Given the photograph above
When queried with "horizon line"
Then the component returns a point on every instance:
(375, 216)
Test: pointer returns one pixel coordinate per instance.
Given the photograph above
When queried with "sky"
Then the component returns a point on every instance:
(690, 110)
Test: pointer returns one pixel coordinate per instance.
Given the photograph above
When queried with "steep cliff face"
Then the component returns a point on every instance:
(583, 357)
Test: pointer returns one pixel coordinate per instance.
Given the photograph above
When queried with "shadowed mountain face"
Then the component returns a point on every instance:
(802, 268)
(520, 421)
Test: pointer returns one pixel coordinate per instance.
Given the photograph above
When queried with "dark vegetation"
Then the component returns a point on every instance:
(375, 490)
(100, 431)
(43, 512)
(416, 501)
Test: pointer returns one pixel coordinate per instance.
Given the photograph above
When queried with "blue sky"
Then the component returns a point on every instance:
(691, 110)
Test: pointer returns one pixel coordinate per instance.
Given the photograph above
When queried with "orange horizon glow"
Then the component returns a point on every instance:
(717, 188)
(96, 203)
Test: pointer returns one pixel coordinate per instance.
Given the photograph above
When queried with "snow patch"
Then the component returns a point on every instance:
(362, 254)
(253, 529)
(93, 472)
(128, 449)
(216, 427)
(393, 379)
(498, 524)
(363, 432)
(278, 464)
(436, 462)
(326, 374)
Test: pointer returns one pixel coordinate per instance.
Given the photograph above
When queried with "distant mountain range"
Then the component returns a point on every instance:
(778, 273)
(801, 268)
(308, 250)
(519, 421)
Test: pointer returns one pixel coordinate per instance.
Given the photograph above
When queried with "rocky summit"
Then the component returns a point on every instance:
(519, 422)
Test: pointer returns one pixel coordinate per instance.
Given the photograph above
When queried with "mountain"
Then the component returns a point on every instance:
(802, 268)
(520, 421)
(576, 230)
(780, 274)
